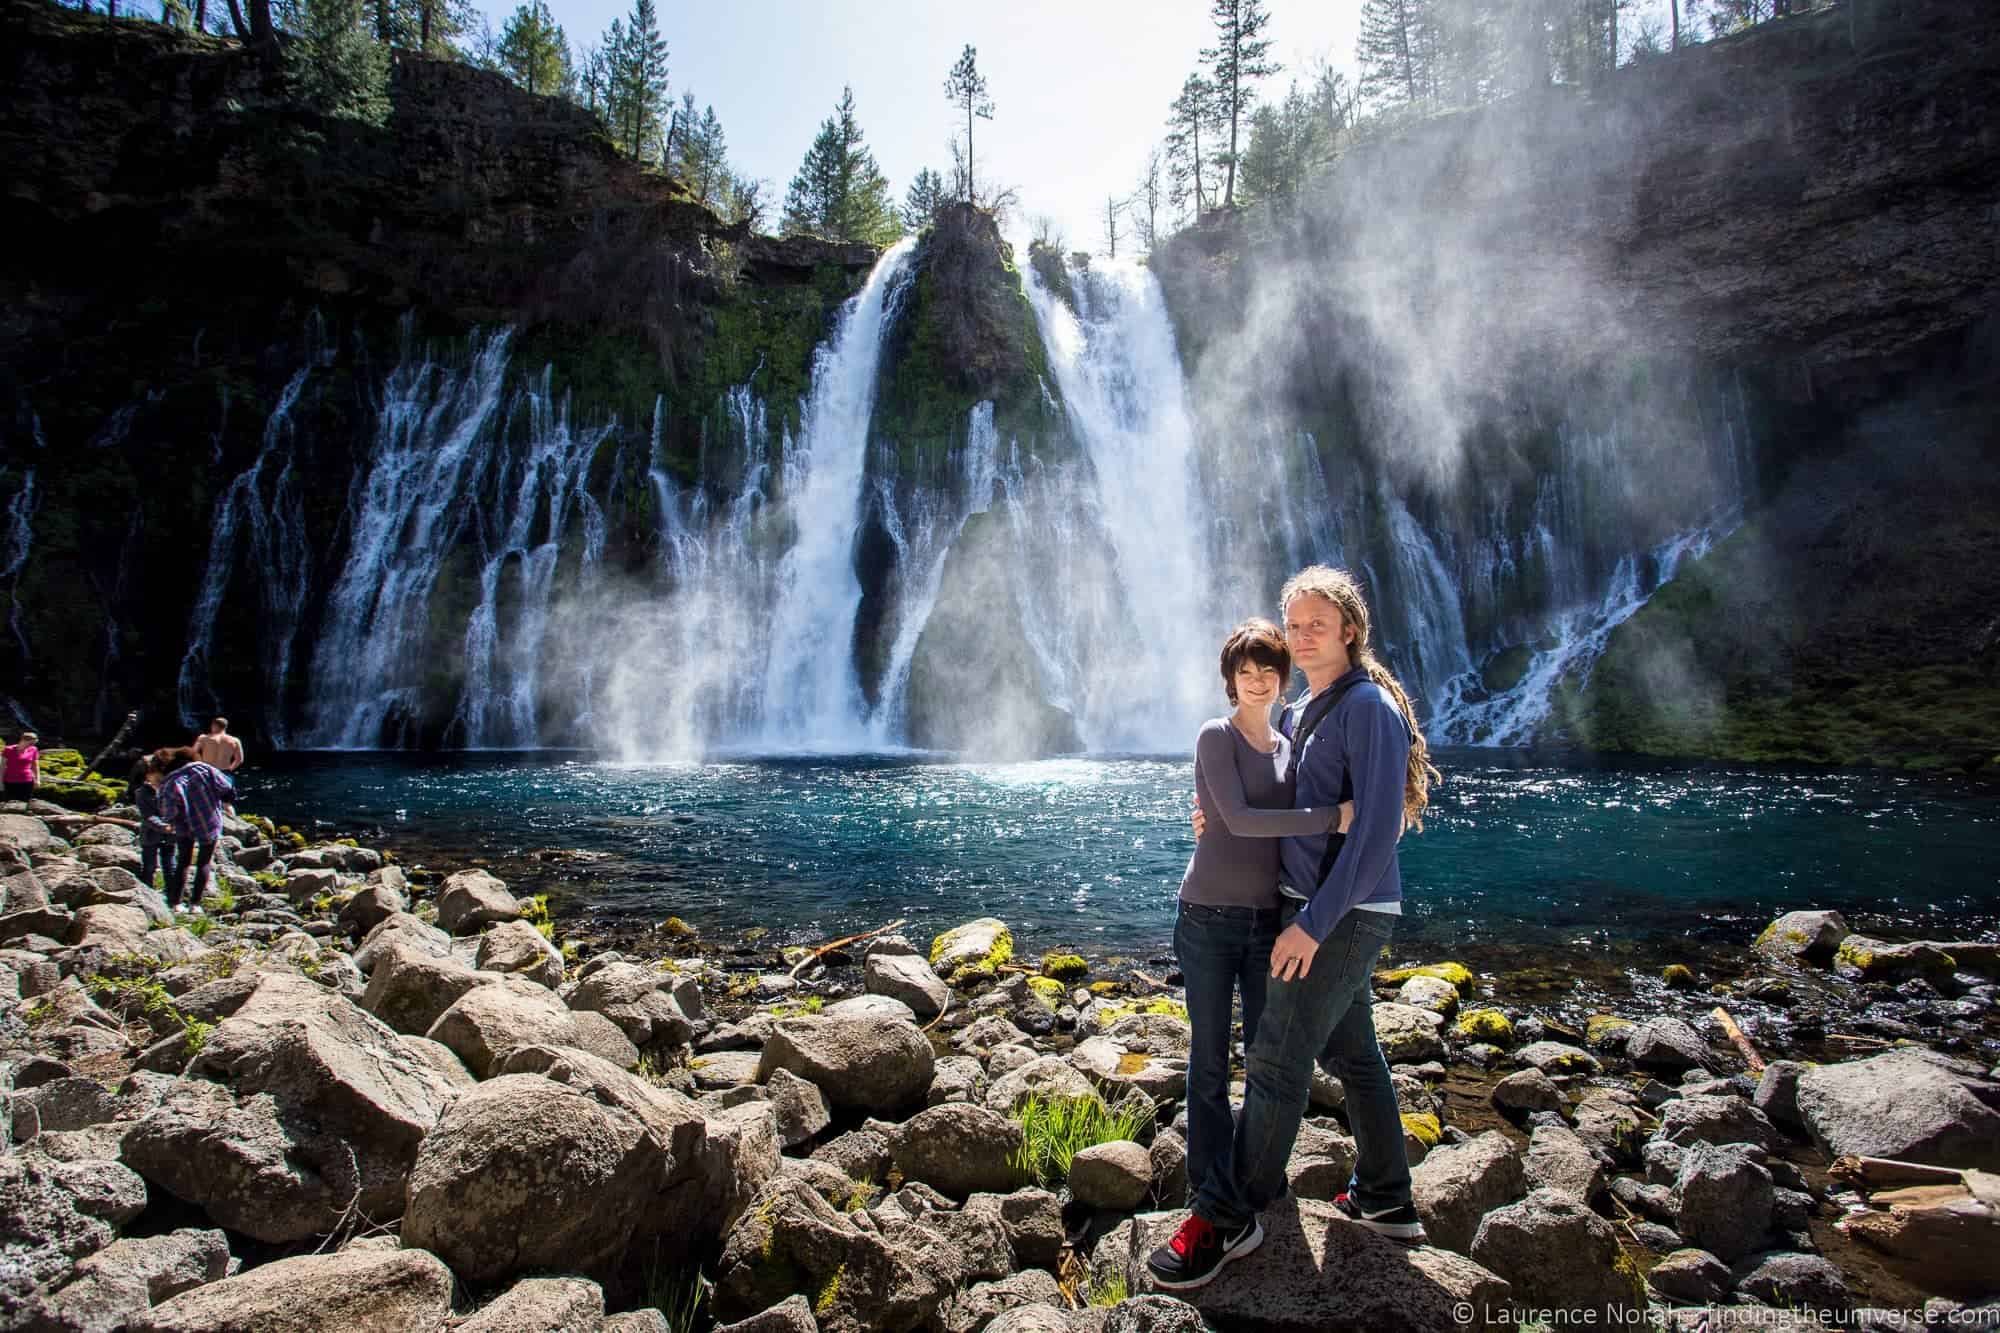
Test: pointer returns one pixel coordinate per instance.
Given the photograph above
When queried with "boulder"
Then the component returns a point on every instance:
(1320, 1166)
(1037, 1319)
(1408, 1035)
(1114, 1067)
(541, 1305)
(369, 1291)
(370, 907)
(794, 1314)
(957, 1078)
(488, 1021)
(1528, 1090)
(1558, 1254)
(799, 1107)
(791, 1240)
(1317, 1272)
(1802, 937)
(410, 990)
(982, 1035)
(1033, 1221)
(1115, 1176)
(1555, 1057)
(1048, 1076)
(907, 978)
(639, 1000)
(525, 1174)
(1432, 993)
(1722, 1201)
(471, 900)
(1778, 1094)
(1559, 1160)
(29, 835)
(113, 927)
(116, 1287)
(1609, 1125)
(1709, 1118)
(44, 1226)
(974, 1310)
(1153, 1314)
(976, 948)
(1902, 1104)
(1690, 1277)
(1170, 1174)
(1794, 1281)
(1880, 960)
(1666, 1043)
(402, 928)
(870, 1064)
(101, 1187)
(1458, 1184)
(960, 1149)
(517, 947)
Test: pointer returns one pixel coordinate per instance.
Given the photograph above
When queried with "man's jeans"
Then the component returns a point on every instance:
(198, 854)
(1326, 1014)
(1220, 949)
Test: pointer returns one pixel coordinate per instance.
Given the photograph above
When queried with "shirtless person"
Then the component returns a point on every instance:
(217, 748)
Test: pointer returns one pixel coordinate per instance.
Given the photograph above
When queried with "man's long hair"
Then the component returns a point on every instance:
(1344, 591)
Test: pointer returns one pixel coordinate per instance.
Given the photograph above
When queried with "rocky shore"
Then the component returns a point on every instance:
(357, 1094)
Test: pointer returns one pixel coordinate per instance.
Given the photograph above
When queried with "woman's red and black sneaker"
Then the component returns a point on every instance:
(1198, 1251)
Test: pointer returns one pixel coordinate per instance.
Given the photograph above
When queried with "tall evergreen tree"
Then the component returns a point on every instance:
(533, 51)
(636, 76)
(1192, 115)
(839, 192)
(1240, 57)
(703, 156)
(926, 195)
(965, 87)
(335, 64)
(1397, 52)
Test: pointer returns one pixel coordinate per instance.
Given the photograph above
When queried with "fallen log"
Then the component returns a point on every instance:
(1738, 1039)
(825, 949)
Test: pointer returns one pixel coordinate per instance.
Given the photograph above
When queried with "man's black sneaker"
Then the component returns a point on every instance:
(1398, 1223)
(1198, 1251)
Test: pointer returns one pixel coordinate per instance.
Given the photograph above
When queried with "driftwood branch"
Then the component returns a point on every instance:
(1738, 1039)
(1876, 1173)
(825, 949)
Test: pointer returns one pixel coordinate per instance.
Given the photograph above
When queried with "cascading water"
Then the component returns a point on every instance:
(407, 510)
(263, 502)
(1114, 360)
(812, 697)
(14, 554)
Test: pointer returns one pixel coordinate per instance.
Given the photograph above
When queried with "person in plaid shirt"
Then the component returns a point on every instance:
(191, 800)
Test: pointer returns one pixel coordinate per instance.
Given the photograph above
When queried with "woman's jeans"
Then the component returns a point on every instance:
(199, 855)
(1326, 1014)
(1221, 949)
(163, 856)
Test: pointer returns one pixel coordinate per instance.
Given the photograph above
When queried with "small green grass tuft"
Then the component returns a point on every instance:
(1055, 1129)
(811, 1004)
(1108, 1287)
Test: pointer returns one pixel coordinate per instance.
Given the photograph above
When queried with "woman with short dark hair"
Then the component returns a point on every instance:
(1228, 917)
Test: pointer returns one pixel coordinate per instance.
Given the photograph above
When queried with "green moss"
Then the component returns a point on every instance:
(1001, 952)
(1488, 1025)
(675, 928)
(1458, 974)
(1601, 1028)
(1424, 1128)
(829, 1292)
(1047, 989)
(1064, 966)
(1111, 1013)
(1677, 976)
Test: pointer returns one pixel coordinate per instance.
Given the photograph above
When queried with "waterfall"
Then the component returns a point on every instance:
(812, 697)
(540, 484)
(407, 510)
(263, 502)
(1115, 362)
(20, 540)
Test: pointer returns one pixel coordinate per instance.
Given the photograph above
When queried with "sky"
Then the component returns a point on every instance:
(1080, 87)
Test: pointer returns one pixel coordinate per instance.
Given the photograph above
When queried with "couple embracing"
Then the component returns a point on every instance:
(1291, 896)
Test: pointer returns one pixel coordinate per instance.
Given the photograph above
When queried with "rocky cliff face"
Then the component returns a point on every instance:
(1800, 220)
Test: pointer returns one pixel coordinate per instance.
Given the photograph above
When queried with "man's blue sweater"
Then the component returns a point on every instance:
(1360, 753)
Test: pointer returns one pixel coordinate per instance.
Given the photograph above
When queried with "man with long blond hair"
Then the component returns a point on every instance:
(1354, 736)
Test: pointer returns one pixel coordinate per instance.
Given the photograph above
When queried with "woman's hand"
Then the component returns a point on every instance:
(1346, 817)
(1200, 823)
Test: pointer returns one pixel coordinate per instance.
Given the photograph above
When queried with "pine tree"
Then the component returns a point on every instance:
(636, 77)
(702, 155)
(927, 194)
(1146, 200)
(1397, 53)
(1238, 59)
(1192, 115)
(533, 51)
(334, 63)
(965, 87)
(839, 193)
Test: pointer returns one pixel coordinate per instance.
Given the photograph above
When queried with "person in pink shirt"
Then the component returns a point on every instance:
(22, 768)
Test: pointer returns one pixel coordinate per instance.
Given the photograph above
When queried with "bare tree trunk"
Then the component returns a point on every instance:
(236, 19)
(1676, 7)
(424, 26)
(382, 21)
(263, 35)
(971, 181)
(201, 15)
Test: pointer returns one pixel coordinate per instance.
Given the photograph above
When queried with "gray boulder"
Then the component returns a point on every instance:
(402, 928)
(1317, 1272)
(1690, 1277)
(639, 1000)
(44, 1227)
(471, 900)
(410, 990)
(1558, 1254)
(1528, 1090)
(1033, 1221)
(1458, 1184)
(960, 1149)
(1666, 1043)
(1802, 937)
(355, 1289)
(1722, 1201)
(1046, 1076)
(1794, 1281)
(541, 1305)
(1559, 1160)
(794, 1314)
(974, 1310)
(800, 1109)
(907, 978)
(517, 947)
(115, 1287)
(870, 1064)
(1153, 1314)
(370, 906)
(1902, 1104)
(1115, 1176)
(957, 1078)
(1708, 1118)
(488, 1021)
(1555, 1057)
(1408, 1035)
